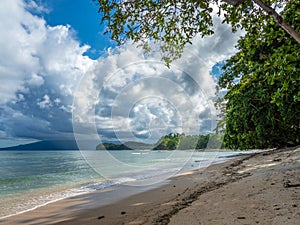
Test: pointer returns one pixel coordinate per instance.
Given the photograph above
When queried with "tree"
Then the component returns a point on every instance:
(263, 82)
(172, 24)
(168, 142)
(262, 104)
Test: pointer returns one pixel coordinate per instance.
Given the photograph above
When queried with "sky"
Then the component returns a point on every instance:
(62, 77)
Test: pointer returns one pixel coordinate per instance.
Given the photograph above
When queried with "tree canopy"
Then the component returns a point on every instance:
(172, 24)
(263, 82)
(263, 100)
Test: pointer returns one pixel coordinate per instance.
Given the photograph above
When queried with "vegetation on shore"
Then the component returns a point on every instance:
(170, 142)
(261, 107)
(130, 145)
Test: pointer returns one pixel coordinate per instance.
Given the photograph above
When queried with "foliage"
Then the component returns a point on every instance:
(202, 141)
(172, 24)
(182, 142)
(169, 142)
(112, 146)
(215, 141)
(263, 82)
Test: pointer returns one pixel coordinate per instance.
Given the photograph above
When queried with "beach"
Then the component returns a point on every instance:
(260, 188)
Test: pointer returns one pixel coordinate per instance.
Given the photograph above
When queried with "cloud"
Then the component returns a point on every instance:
(35, 80)
(45, 103)
(32, 51)
(32, 6)
(40, 66)
(123, 95)
(130, 96)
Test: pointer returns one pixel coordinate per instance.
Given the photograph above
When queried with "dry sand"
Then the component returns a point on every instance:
(262, 188)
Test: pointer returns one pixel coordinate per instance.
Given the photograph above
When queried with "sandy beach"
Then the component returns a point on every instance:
(262, 188)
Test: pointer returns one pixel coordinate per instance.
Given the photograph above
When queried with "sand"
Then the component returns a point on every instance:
(262, 188)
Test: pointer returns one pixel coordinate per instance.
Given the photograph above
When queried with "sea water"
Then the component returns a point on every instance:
(29, 179)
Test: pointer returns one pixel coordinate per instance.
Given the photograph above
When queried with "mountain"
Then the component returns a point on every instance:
(45, 145)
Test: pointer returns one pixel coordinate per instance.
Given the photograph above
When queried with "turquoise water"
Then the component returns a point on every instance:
(22, 171)
(29, 179)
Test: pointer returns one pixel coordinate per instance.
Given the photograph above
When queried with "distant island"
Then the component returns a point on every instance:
(53, 145)
(169, 142)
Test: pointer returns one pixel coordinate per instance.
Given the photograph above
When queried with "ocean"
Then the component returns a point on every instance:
(30, 179)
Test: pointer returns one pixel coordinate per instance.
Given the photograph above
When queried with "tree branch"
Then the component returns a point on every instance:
(234, 2)
(278, 19)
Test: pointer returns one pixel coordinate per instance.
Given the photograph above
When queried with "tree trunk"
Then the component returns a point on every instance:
(234, 2)
(278, 19)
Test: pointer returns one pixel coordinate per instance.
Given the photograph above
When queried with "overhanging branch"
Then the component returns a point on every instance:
(278, 19)
(234, 2)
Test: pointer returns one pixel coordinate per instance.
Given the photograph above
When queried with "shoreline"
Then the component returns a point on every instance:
(48, 195)
(207, 193)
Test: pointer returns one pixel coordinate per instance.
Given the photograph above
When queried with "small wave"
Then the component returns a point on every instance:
(42, 200)
(140, 153)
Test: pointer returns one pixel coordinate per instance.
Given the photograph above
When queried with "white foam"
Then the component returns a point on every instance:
(39, 201)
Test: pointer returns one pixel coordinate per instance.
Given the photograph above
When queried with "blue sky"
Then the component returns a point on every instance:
(84, 18)
(59, 73)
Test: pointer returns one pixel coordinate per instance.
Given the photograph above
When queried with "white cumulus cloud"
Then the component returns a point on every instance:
(126, 95)
(40, 66)
(45, 102)
(32, 50)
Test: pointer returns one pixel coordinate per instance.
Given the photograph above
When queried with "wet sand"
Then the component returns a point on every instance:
(262, 188)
